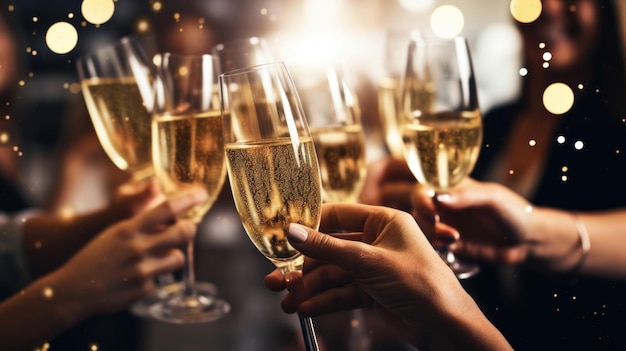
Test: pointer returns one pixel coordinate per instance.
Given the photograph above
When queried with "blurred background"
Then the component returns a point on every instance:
(62, 166)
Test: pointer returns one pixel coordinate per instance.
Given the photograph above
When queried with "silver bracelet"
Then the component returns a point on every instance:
(585, 243)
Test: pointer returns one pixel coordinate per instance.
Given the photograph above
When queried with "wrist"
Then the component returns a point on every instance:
(469, 329)
(70, 308)
(560, 242)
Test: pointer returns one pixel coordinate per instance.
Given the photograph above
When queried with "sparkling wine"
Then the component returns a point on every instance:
(441, 149)
(121, 121)
(341, 157)
(275, 182)
(188, 151)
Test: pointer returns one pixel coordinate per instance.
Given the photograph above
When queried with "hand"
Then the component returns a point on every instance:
(135, 196)
(117, 266)
(486, 221)
(388, 183)
(385, 264)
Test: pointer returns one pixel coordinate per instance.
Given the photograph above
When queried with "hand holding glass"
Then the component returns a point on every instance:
(188, 151)
(440, 121)
(272, 166)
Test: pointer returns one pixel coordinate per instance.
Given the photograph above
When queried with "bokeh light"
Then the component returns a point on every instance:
(61, 37)
(416, 6)
(48, 293)
(97, 11)
(447, 21)
(5, 138)
(558, 98)
(525, 11)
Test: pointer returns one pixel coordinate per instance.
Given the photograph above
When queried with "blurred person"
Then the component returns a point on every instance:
(12, 195)
(113, 269)
(34, 237)
(377, 258)
(553, 166)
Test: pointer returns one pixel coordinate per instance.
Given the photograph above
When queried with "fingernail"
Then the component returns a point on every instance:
(201, 195)
(297, 233)
(445, 198)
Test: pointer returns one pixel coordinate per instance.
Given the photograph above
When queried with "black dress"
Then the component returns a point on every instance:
(538, 311)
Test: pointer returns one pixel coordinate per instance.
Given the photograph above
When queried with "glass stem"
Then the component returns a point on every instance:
(306, 323)
(189, 274)
(308, 333)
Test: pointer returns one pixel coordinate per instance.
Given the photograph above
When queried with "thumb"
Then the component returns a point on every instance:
(322, 247)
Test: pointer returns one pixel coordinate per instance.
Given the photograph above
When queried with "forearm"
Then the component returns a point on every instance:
(465, 327)
(50, 240)
(607, 236)
(37, 313)
(558, 246)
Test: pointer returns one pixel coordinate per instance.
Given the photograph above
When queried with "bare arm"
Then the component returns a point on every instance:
(562, 240)
(49, 240)
(113, 270)
(495, 224)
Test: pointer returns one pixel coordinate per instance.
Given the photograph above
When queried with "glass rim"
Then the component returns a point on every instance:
(184, 55)
(254, 68)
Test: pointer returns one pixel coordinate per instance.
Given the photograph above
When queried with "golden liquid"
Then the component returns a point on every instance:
(188, 151)
(275, 183)
(121, 121)
(341, 156)
(441, 149)
(388, 108)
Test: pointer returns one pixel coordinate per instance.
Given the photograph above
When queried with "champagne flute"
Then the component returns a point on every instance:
(116, 83)
(441, 124)
(334, 118)
(272, 165)
(188, 151)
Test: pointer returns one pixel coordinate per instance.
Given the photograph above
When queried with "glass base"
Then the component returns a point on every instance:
(142, 307)
(464, 270)
(182, 308)
(461, 269)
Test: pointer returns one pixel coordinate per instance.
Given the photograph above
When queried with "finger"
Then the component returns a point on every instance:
(349, 217)
(171, 236)
(339, 299)
(275, 281)
(163, 262)
(311, 263)
(384, 171)
(445, 234)
(167, 210)
(323, 247)
(295, 285)
(468, 193)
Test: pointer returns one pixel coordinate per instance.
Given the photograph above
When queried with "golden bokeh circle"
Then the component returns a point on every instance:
(61, 37)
